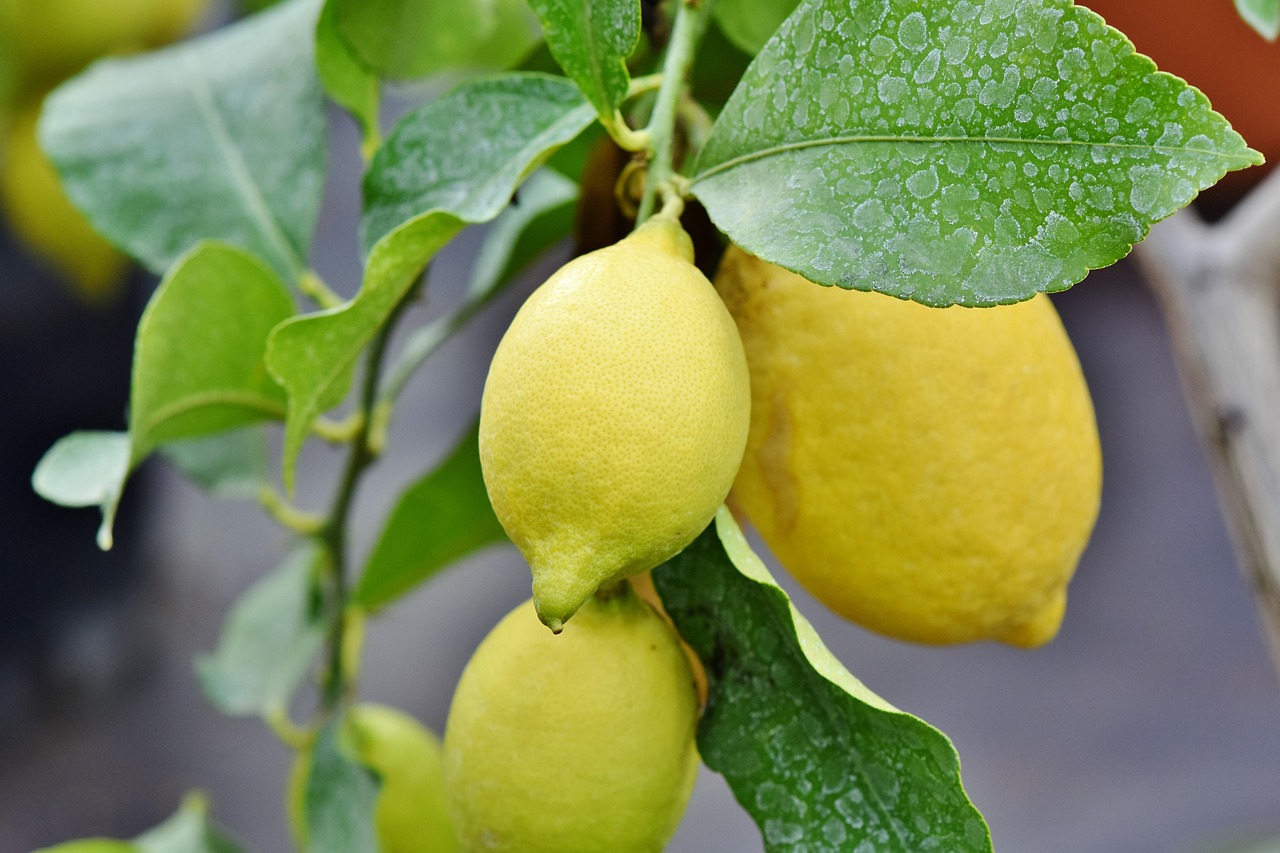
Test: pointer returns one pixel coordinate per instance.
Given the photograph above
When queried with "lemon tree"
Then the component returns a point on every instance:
(952, 161)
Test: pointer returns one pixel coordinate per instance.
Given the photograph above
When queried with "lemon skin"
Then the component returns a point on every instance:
(614, 416)
(581, 741)
(932, 474)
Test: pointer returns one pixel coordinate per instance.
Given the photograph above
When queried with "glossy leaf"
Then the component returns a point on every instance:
(750, 23)
(230, 465)
(440, 519)
(86, 468)
(407, 39)
(955, 152)
(591, 39)
(220, 137)
(268, 644)
(819, 761)
(339, 796)
(198, 363)
(1262, 15)
(421, 190)
(349, 82)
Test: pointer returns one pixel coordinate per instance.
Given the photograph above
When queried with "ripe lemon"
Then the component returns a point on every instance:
(614, 416)
(932, 474)
(581, 741)
(42, 216)
(411, 815)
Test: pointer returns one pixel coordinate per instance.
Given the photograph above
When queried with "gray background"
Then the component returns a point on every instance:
(1152, 723)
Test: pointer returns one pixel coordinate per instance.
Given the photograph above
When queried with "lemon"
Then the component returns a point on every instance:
(582, 741)
(411, 815)
(932, 474)
(42, 216)
(614, 416)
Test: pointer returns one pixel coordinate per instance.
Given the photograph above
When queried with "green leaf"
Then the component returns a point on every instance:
(750, 23)
(198, 363)
(591, 39)
(421, 190)
(818, 760)
(1262, 15)
(407, 39)
(955, 152)
(541, 215)
(221, 137)
(268, 643)
(91, 845)
(438, 520)
(86, 469)
(230, 465)
(349, 82)
(339, 798)
(188, 831)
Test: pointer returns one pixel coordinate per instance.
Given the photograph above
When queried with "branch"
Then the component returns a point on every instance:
(1220, 290)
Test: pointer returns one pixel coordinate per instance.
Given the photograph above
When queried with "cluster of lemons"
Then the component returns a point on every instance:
(42, 43)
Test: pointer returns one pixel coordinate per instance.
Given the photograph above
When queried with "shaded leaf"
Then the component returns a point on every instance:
(339, 796)
(198, 363)
(188, 831)
(750, 23)
(230, 465)
(268, 643)
(815, 757)
(407, 39)
(591, 39)
(1262, 15)
(421, 190)
(955, 152)
(350, 83)
(220, 137)
(438, 520)
(541, 216)
(86, 469)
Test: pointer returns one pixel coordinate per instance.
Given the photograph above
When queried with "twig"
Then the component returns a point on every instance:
(1220, 290)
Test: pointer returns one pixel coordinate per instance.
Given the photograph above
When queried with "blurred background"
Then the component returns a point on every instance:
(1152, 723)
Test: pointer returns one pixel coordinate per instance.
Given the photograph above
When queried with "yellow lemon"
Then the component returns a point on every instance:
(614, 416)
(42, 216)
(932, 474)
(581, 741)
(411, 815)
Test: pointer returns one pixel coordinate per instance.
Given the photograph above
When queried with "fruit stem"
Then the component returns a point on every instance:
(685, 32)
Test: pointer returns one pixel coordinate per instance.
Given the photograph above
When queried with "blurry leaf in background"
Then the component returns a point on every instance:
(268, 642)
(750, 23)
(230, 465)
(814, 756)
(351, 84)
(941, 187)
(166, 149)
(339, 796)
(437, 521)
(187, 831)
(591, 40)
(86, 469)
(1262, 15)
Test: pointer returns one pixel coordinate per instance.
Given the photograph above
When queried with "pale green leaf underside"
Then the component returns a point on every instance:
(221, 137)
(421, 190)
(86, 469)
(439, 519)
(819, 761)
(960, 152)
(268, 642)
(750, 23)
(591, 39)
(1262, 15)
(229, 465)
(350, 83)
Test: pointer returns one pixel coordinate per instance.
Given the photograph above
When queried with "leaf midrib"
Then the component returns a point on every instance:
(1248, 157)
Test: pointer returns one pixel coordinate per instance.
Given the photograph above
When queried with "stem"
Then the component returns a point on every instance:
(311, 284)
(662, 125)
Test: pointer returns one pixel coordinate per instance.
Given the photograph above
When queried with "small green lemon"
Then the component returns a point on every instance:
(411, 815)
(932, 474)
(614, 416)
(581, 741)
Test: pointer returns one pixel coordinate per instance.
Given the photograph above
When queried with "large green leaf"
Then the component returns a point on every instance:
(268, 643)
(221, 137)
(338, 797)
(198, 363)
(439, 519)
(750, 23)
(818, 760)
(591, 39)
(955, 152)
(1262, 15)
(424, 186)
(348, 81)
